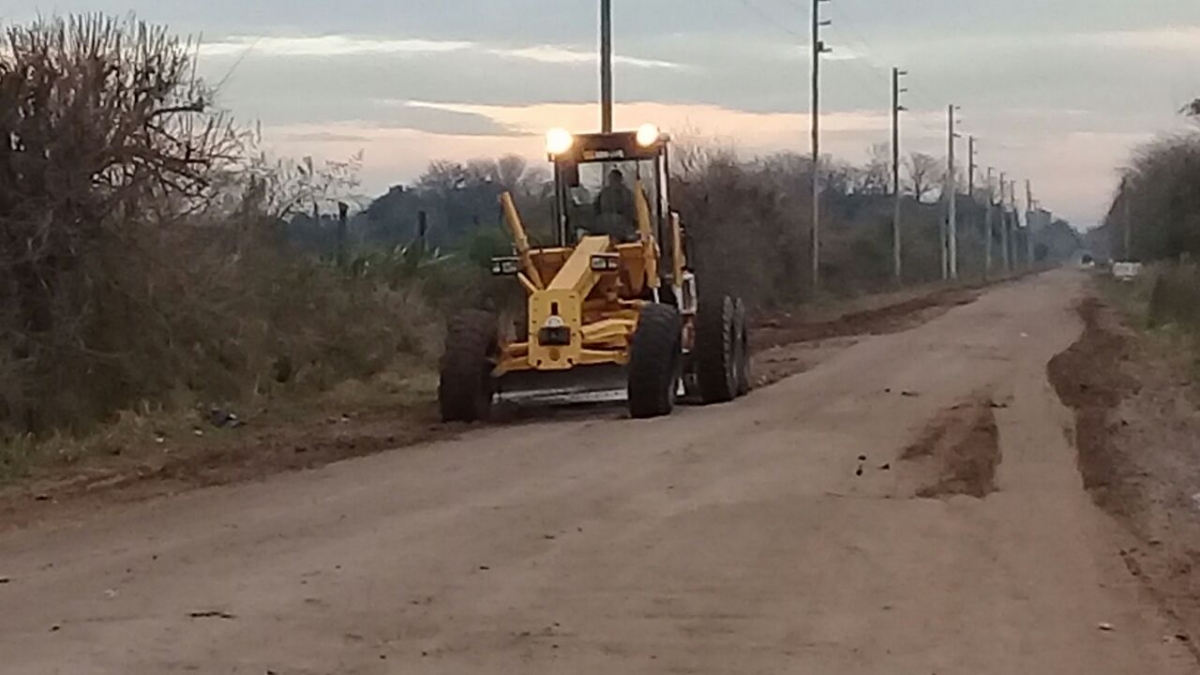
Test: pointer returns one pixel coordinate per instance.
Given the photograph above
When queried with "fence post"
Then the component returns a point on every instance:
(342, 256)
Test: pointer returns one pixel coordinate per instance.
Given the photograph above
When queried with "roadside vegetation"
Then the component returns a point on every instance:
(1133, 378)
(1155, 219)
(163, 279)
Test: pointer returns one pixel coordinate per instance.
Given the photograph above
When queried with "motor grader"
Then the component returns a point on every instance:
(615, 303)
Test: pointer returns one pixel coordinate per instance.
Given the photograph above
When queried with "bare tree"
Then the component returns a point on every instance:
(874, 178)
(842, 177)
(925, 172)
(105, 140)
(443, 177)
(510, 170)
(482, 171)
(692, 153)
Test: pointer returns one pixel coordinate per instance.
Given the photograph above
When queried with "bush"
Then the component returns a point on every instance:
(1159, 202)
(144, 253)
(749, 226)
(1176, 297)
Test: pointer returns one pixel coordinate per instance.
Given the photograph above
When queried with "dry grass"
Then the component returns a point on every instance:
(144, 441)
(1165, 302)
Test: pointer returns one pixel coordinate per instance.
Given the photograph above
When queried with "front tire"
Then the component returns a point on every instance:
(466, 387)
(654, 362)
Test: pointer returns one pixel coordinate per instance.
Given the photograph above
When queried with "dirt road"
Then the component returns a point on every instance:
(828, 524)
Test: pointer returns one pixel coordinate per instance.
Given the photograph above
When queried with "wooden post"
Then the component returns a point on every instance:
(343, 258)
(422, 231)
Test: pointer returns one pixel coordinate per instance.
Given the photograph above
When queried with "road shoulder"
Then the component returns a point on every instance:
(1137, 432)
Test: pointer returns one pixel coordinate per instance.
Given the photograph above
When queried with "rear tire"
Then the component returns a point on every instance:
(741, 332)
(466, 386)
(654, 362)
(716, 347)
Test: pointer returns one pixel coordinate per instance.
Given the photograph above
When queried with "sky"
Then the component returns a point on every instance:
(1059, 92)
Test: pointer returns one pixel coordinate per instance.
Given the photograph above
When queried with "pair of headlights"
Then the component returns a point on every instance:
(602, 262)
(559, 141)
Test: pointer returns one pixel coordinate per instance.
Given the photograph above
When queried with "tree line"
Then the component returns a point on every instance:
(154, 255)
(1155, 212)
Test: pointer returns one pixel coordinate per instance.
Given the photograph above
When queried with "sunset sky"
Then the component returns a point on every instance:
(1057, 91)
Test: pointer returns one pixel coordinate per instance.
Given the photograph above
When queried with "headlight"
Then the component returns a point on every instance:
(505, 266)
(647, 135)
(606, 262)
(559, 141)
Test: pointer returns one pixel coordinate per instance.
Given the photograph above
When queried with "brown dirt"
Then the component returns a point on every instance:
(963, 446)
(248, 454)
(731, 539)
(785, 329)
(1089, 379)
(779, 363)
(1137, 426)
(784, 345)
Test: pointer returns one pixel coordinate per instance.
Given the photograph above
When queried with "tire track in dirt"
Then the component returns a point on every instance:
(784, 346)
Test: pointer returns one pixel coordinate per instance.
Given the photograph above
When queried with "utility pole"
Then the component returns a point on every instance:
(898, 192)
(1128, 221)
(988, 226)
(1004, 225)
(1029, 209)
(951, 266)
(971, 167)
(818, 48)
(606, 73)
(1015, 224)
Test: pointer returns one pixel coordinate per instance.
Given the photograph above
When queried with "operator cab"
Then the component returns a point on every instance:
(596, 177)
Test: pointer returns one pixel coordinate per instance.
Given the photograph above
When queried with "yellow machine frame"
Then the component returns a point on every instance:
(567, 289)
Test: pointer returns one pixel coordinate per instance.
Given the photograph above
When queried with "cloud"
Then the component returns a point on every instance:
(392, 155)
(349, 45)
(753, 129)
(1067, 155)
(327, 45)
(1058, 96)
(1179, 39)
(436, 119)
(1182, 40)
(565, 55)
(398, 150)
(322, 136)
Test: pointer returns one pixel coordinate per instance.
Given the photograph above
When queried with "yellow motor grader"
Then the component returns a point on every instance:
(614, 302)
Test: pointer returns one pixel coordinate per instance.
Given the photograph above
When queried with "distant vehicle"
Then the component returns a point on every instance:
(1126, 271)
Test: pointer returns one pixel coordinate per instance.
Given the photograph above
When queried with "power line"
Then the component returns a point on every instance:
(767, 18)
(856, 39)
(845, 23)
